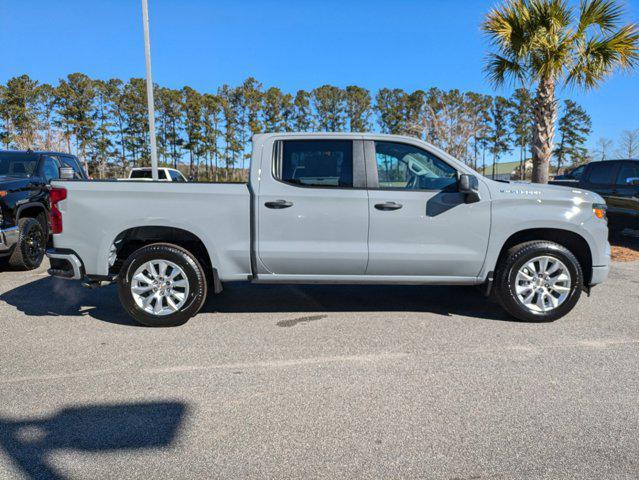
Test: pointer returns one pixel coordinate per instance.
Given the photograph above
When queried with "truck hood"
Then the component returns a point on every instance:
(11, 184)
(536, 191)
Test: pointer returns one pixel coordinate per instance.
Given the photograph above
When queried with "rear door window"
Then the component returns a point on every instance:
(71, 162)
(315, 163)
(628, 173)
(50, 168)
(601, 173)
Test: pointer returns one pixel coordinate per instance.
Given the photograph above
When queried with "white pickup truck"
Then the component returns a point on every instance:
(146, 174)
(332, 208)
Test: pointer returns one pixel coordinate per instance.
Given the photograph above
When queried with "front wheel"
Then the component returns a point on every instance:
(538, 281)
(162, 285)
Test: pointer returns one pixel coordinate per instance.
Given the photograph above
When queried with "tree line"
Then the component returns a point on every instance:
(207, 135)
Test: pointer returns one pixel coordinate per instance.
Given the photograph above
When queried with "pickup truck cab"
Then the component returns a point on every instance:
(617, 181)
(332, 208)
(164, 175)
(24, 202)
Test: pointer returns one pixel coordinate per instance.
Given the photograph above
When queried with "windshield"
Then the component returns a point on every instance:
(19, 165)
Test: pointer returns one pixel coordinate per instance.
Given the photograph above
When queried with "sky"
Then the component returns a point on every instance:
(293, 45)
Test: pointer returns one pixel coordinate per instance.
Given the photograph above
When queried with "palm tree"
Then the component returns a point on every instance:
(543, 43)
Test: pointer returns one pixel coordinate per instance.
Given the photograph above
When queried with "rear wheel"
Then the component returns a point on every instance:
(538, 281)
(29, 251)
(162, 285)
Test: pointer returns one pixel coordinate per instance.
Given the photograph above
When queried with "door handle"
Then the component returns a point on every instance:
(387, 206)
(278, 204)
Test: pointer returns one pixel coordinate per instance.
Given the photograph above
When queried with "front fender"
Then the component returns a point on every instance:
(516, 215)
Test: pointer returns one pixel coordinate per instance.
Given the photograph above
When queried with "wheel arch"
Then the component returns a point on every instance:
(574, 242)
(131, 239)
(33, 210)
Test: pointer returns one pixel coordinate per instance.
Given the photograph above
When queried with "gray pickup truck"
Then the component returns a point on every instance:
(332, 208)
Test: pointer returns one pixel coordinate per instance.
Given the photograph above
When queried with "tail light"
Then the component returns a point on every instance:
(56, 194)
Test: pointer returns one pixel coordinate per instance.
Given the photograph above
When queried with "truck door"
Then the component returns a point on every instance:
(420, 224)
(599, 177)
(624, 199)
(312, 208)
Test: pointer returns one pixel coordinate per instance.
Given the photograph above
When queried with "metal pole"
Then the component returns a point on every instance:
(149, 89)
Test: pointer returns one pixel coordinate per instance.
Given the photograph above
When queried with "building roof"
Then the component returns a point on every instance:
(502, 168)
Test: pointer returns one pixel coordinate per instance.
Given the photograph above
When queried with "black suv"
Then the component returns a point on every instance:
(24, 202)
(618, 182)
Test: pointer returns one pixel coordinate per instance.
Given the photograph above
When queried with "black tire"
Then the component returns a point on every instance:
(182, 258)
(29, 251)
(518, 256)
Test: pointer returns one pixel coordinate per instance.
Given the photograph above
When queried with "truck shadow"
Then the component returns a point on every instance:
(29, 442)
(55, 297)
(440, 300)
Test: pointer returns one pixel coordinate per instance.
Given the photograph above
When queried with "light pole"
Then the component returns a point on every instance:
(149, 89)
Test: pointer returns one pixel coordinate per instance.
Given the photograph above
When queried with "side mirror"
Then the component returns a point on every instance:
(66, 173)
(469, 185)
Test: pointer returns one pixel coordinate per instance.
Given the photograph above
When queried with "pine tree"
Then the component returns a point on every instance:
(574, 128)
(76, 95)
(20, 104)
(302, 112)
(211, 120)
(390, 106)
(499, 138)
(521, 123)
(330, 108)
(192, 107)
(252, 100)
(275, 115)
(232, 145)
(478, 109)
(50, 137)
(103, 146)
(170, 109)
(358, 108)
(134, 110)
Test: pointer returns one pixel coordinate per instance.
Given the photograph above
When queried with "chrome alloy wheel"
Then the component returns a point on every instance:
(160, 287)
(542, 284)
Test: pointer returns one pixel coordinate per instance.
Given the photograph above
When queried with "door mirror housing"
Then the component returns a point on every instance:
(469, 186)
(66, 173)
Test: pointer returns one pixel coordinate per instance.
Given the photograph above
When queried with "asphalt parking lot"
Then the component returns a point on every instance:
(318, 382)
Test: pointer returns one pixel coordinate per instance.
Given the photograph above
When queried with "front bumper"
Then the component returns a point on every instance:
(65, 264)
(8, 238)
(600, 272)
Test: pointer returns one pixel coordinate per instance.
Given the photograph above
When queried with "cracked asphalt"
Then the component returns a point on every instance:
(318, 382)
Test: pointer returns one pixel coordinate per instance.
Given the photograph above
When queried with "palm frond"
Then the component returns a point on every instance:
(603, 13)
(501, 70)
(550, 16)
(600, 56)
(506, 27)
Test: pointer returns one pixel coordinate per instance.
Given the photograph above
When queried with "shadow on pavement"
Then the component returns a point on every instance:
(441, 300)
(92, 428)
(51, 296)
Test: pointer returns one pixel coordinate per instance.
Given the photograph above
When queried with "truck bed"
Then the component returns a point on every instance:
(96, 212)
